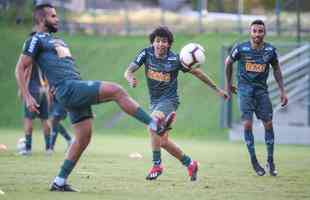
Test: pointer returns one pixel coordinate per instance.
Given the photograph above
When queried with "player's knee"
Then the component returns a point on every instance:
(119, 92)
(268, 125)
(164, 141)
(247, 125)
(83, 141)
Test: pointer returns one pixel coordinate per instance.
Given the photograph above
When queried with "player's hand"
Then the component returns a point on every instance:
(231, 89)
(222, 93)
(132, 82)
(284, 99)
(32, 104)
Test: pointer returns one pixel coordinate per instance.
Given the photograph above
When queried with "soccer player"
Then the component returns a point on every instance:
(161, 70)
(53, 57)
(254, 60)
(35, 85)
(57, 114)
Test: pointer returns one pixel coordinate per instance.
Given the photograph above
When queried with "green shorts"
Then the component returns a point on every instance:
(77, 96)
(43, 109)
(165, 106)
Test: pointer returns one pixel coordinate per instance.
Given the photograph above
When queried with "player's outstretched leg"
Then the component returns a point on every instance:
(175, 151)
(114, 92)
(269, 140)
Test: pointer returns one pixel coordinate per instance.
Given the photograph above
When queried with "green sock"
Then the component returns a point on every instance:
(47, 141)
(64, 132)
(156, 157)
(142, 116)
(186, 160)
(66, 169)
(28, 138)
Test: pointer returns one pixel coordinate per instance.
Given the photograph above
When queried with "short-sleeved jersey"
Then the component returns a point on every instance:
(161, 73)
(254, 65)
(53, 57)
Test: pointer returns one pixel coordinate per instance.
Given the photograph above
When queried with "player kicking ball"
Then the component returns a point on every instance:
(162, 67)
(254, 60)
(52, 55)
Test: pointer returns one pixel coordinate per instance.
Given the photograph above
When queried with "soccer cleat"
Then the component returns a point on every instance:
(169, 120)
(49, 152)
(192, 170)
(258, 169)
(65, 188)
(272, 169)
(154, 172)
(25, 153)
(165, 125)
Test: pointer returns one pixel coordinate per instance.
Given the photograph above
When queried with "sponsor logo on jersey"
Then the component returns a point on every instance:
(255, 67)
(158, 76)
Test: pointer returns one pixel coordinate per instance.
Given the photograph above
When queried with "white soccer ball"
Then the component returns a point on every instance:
(192, 55)
(21, 145)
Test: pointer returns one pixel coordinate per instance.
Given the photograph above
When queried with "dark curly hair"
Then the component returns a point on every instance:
(162, 31)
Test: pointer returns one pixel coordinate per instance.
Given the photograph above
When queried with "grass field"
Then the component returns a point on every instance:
(106, 171)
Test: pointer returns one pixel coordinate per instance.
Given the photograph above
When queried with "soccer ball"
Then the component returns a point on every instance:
(192, 55)
(21, 145)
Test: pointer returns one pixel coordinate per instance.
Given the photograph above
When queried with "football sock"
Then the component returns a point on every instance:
(28, 138)
(269, 140)
(142, 116)
(249, 140)
(53, 138)
(157, 157)
(186, 160)
(47, 141)
(64, 132)
(66, 169)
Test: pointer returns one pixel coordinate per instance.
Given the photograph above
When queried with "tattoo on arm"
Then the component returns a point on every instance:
(132, 67)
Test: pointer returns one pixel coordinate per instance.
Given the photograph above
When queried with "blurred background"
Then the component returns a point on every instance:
(141, 16)
(109, 33)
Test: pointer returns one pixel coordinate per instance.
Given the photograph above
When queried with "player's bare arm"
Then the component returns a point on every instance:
(199, 73)
(279, 78)
(129, 74)
(228, 74)
(23, 65)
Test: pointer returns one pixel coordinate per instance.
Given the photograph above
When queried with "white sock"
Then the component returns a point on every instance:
(59, 181)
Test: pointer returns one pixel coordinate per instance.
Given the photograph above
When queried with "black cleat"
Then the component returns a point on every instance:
(272, 169)
(165, 125)
(258, 169)
(65, 188)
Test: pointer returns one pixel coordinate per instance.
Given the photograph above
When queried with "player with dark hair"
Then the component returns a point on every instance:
(254, 60)
(161, 70)
(53, 57)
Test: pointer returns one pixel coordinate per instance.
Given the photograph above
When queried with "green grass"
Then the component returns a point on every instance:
(106, 172)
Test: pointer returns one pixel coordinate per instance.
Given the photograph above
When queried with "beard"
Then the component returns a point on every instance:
(50, 27)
